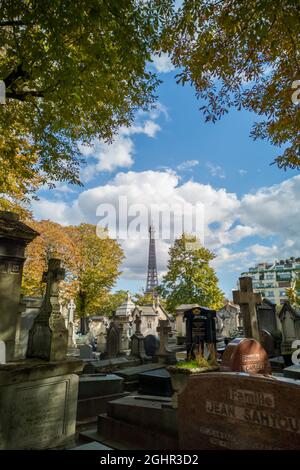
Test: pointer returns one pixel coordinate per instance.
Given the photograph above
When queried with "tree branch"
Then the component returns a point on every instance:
(14, 75)
(21, 95)
(12, 23)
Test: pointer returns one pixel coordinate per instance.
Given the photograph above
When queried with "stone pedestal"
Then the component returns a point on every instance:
(14, 236)
(38, 404)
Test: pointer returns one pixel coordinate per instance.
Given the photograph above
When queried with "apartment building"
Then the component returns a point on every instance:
(272, 280)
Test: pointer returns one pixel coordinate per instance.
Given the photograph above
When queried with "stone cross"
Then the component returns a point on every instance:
(247, 299)
(138, 323)
(71, 324)
(71, 310)
(48, 337)
(2, 352)
(163, 330)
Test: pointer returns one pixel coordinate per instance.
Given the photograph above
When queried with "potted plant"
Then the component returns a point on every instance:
(181, 372)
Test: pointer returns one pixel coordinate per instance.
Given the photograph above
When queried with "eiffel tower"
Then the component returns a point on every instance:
(152, 281)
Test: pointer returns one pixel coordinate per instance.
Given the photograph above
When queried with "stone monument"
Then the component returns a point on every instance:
(48, 338)
(248, 300)
(14, 237)
(38, 397)
(71, 324)
(137, 341)
(245, 355)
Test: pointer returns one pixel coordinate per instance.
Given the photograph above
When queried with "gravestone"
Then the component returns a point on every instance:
(38, 398)
(38, 404)
(85, 351)
(14, 237)
(2, 352)
(292, 372)
(48, 337)
(266, 316)
(163, 330)
(248, 300)
(151, 344)
(239, 411)
(200, 332)
(137, 341)
(245, 355)
(26, 319)
(113, 341)
(71, 324)
(290, 323)
(156, 383)
(268, 343)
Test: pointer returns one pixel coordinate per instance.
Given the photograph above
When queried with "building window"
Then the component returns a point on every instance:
(282, 293)
(270, 294)
(149, 324)
(269, 276)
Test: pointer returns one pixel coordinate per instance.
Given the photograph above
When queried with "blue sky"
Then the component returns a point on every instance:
(251, 207)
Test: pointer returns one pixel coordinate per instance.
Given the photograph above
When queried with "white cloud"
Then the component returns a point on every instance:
(268, 213)
(187, 165)
(215, 170)
(162, 63)
(107, 157)
(242, 172)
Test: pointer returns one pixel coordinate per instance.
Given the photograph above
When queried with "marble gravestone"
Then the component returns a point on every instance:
(238, 411)
(200, 332)
(14, 237)
(245, 355)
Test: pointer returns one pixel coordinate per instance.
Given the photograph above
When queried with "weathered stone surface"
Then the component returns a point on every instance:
(146, 412)
(155, 382)
(245, 355)
(2, 352)
(292, 372)
(248, 300)
(94, 385)
(137, 423)
(267, 341)
(133, 372)
(239, 411)
(48, 337)
(151, 344)
(39, 412)
(27, 317)
(85, 351)
(14, 236)
(92, 446)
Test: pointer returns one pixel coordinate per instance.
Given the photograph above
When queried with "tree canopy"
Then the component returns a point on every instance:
(78, 70)
(74, 71)
(243, 54)
(91, 263)
(189, 278)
